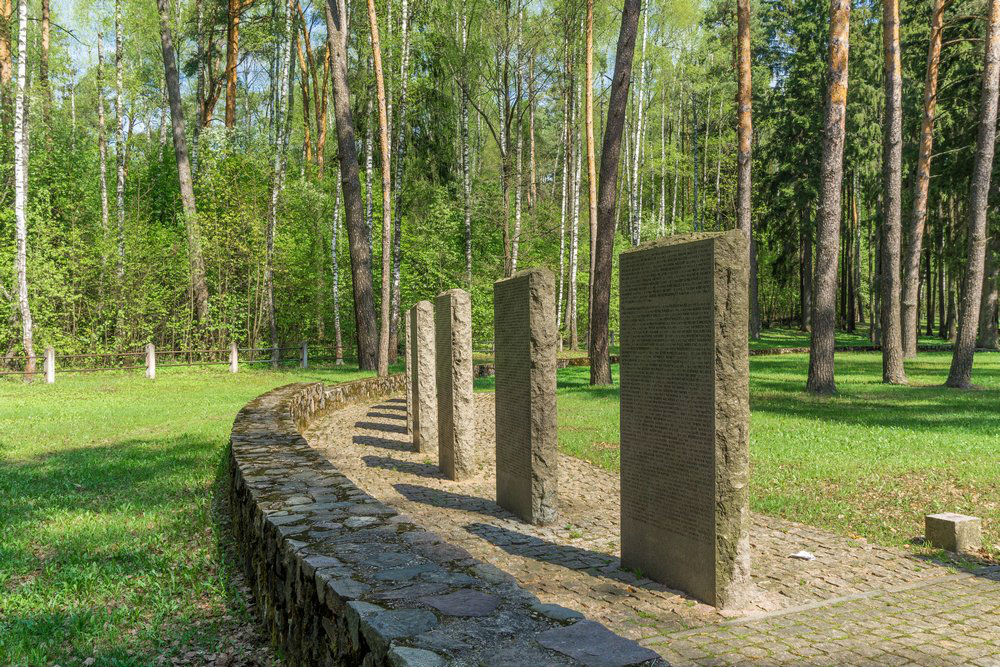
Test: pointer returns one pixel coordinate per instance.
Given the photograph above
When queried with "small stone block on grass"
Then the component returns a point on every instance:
(954, 532)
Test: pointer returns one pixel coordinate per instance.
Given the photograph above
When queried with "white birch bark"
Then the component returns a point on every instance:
(562, 216)
(519, 150)
(369, 142)
(119, 139)
(466, 166)
(21, 189)
(278, 173)
(399, 160)
(639, 100)
(334, 247)
(661, 218)
(102, 137)
(571, 300)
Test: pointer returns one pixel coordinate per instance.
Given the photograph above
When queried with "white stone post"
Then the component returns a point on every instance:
(50, 365)
(151, 361)
(305, 354)
(234, 358)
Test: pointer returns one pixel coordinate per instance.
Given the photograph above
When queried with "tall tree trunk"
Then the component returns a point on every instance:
(988, 304)
(960, 374)
(744, 155)
(574, 251)
(283, 66)
(518, 149)
(43, 67)
(196, 261)
(397, 184)
(364, 304)
(235, 9)
(369, 170)
(661, 217)
(532, 171)
(567, 153)
(600, 366)
(6, 65)
(677, 173)
(383, 123)
(805, 281)
(21, 189)
(120, 142)
(466, 166)
(102, 139)
(892, 158)
(591, 161)
(821, 380)
(635, 201)
(335, 256)
(921, 185)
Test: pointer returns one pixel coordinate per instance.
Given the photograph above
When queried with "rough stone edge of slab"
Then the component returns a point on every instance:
(330, 565)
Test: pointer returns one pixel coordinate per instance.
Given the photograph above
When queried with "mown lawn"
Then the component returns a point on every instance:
(870, 461)
(108, 547)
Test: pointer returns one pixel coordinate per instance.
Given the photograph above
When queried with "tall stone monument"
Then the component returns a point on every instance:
(526, 340)
(685, 414)
(407, 356)
(456, 412)
(425, 436)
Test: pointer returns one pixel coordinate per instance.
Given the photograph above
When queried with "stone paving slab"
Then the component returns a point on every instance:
(856, 604)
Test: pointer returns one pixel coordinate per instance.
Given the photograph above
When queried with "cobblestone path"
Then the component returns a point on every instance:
(856, 604)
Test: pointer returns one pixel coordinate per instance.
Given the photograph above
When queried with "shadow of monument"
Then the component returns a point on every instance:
(596, 564)
(408, 467)
(574, 558)
(385, 428)
(385, 415)
(391, 404)
(449, 500)
(384, 443)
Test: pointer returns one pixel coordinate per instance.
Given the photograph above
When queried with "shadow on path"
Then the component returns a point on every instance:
(384, 428)
(409, 467)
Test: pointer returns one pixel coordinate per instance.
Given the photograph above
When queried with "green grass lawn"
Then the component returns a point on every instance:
(108, 547)
(870, 461)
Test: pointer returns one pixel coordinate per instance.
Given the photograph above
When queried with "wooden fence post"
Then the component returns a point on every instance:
(234, 359)
(151, 361)
(50, 365)
(305, 354)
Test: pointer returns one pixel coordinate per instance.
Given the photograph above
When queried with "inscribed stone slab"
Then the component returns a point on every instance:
(456, 416)
(526, 438)
(685, 414)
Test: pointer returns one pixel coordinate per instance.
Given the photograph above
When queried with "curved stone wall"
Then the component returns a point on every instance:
(342, 579)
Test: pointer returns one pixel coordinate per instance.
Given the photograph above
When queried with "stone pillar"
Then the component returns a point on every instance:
(456, 412)
(526, 341)
(425, 434)
(685, 414)
(409, 370)
(50, 365)
(234, 358)
(151, 361)
(305, 354)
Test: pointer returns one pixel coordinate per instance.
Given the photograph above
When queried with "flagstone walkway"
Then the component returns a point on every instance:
(856, 604)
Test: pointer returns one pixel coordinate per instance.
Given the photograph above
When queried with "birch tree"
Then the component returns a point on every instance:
(120, 140)
(21, 189)
(383, 123)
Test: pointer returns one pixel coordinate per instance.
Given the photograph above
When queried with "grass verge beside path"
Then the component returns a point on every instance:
(871, 461)
(108, 548)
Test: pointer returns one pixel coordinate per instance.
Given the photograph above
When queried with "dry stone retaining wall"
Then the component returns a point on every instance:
(342, 579)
